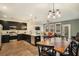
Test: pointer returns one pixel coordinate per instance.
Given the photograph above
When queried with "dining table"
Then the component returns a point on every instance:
(58, 44)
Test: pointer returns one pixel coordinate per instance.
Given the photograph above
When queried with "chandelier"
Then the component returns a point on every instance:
(54, 13)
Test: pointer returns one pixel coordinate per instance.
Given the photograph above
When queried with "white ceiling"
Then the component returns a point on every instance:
(22, 11)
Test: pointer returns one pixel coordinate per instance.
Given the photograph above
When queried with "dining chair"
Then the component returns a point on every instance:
(77, 37)
(46, 51)
(74, 48)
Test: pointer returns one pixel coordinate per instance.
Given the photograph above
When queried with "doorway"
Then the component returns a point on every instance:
(66, 30)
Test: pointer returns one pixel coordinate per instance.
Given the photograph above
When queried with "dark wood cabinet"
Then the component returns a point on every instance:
(13, 37)
(28, 38)
(24, 37)
(7, 25)
(37, 39)
(20, 37)
(5, 38)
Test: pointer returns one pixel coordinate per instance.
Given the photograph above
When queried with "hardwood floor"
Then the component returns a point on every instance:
(18, 48)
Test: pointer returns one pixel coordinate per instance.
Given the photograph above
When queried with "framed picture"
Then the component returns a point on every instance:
(58, 28)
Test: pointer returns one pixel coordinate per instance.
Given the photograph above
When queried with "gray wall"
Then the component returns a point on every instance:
(74, 26)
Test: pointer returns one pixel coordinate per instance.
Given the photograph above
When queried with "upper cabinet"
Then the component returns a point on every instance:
(18, 26)
(8, 25)
(12, 25)
(23, 26)
(5, 25)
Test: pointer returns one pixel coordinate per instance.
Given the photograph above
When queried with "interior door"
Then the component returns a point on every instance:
(66, 31)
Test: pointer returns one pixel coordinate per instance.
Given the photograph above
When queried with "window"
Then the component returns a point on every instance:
(58, 28)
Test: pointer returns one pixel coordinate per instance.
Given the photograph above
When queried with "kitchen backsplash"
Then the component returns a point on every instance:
(8, 32)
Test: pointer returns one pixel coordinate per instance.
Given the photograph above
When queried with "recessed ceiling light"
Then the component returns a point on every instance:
(31, 15)
(4, 7)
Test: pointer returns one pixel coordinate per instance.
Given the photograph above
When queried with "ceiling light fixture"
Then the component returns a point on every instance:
(54, 13)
